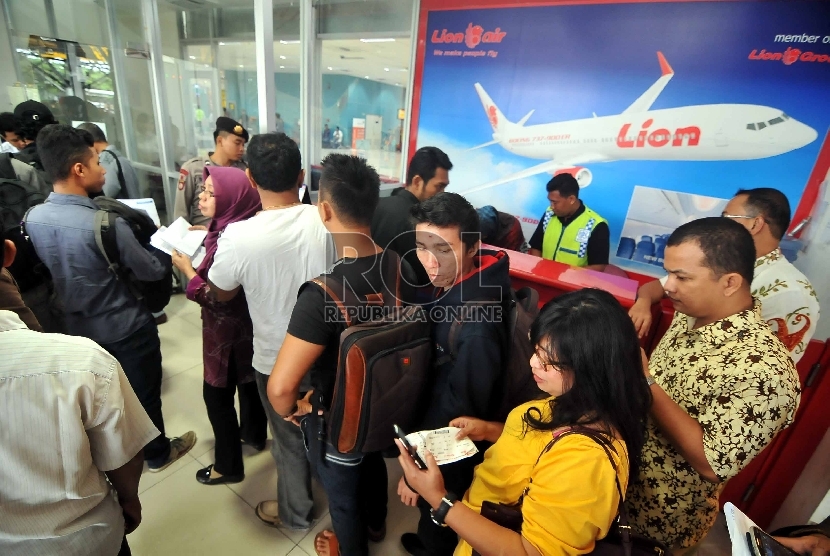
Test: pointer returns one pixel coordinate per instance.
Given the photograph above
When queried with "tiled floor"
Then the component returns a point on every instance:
(182, 517)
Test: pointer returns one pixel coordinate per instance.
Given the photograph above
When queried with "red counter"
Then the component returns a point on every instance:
(551, 279)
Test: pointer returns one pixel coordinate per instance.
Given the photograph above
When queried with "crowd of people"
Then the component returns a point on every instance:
(610, 431)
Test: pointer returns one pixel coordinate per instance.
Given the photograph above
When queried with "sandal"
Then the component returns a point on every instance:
(331, 546)
(267, 517)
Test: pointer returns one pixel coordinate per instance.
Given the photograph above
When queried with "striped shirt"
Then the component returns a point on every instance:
(67, 415)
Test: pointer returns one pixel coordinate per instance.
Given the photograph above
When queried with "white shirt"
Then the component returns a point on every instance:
(271, 255)
(7, 147)
(788, 301)
(67, 414)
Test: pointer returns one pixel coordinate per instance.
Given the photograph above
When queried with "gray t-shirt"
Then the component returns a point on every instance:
(110, 159)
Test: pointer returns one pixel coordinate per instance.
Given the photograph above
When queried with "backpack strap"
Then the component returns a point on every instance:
(107, 241)
(6, 169)
(121, 181)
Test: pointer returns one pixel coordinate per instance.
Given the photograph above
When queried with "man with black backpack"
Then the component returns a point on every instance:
(355, 482)
(470, 340)
(33, 117)
(98, 299)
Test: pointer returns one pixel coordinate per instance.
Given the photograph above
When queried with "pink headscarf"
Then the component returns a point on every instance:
(236, 200)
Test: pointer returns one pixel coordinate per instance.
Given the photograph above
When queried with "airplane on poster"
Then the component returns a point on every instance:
(693, 133)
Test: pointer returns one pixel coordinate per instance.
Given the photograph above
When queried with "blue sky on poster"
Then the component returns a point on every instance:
(566, 62)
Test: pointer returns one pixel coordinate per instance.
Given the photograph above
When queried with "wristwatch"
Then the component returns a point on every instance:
(439, 515)
(650, 380)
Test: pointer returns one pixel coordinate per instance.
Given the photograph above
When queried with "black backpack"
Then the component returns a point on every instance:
(155, 294)
(16, 198)
(30, 157)
(520, 308)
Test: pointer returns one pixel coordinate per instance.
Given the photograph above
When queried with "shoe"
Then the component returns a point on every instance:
(413, 545)
(203, 476)
(259, 446)
(376, 536)
(178, 447)
(161, 319)
(268, 512)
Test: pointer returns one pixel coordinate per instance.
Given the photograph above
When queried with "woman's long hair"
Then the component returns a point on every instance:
(590, 337)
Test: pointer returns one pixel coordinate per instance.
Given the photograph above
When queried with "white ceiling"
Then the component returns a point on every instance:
(387, 62)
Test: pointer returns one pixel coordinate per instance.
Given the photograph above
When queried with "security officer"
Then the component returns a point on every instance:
(230, 139)
(569, 232)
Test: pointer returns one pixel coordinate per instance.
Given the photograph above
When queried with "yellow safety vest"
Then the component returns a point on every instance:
(569, 244)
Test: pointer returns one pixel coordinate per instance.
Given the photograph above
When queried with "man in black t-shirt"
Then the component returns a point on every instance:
(426, 177)
(356, 484)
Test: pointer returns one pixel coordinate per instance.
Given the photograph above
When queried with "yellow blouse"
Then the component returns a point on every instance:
(573, 498)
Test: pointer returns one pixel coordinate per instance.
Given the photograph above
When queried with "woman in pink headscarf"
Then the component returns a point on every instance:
(227, 333)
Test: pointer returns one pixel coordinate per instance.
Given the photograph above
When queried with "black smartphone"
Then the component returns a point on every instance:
(409, 448)
(761, 544)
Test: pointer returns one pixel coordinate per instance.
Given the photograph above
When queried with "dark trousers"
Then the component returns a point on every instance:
(357, 498)
(227, 431)
(458, 476)
(140, 357)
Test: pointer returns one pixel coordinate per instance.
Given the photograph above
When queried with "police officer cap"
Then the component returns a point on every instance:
(32, 110)
(231, 126)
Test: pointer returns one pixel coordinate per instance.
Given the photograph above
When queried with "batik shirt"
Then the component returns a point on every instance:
(788, 301)
(738, 381)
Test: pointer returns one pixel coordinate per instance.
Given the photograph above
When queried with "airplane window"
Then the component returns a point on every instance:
(776, 121)
(750, 126)
(761, 125)
(785, 116)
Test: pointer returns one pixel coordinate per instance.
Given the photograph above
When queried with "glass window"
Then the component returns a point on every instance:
(761, 125)
(776, 121)
(365, 58)
(750, 126)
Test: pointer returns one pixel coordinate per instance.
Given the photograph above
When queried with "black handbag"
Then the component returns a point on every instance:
(620, 538)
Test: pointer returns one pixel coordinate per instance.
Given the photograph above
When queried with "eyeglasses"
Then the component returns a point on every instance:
(203, 190)
(724, 215)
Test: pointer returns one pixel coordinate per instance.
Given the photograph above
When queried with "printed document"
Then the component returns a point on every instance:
(443, 444)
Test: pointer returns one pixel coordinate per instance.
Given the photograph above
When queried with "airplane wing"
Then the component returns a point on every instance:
(645, 101)
(549, 166)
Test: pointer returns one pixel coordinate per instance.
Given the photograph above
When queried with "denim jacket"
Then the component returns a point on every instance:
(98, 305)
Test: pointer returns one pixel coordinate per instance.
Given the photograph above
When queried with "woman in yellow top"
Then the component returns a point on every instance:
(588, 359)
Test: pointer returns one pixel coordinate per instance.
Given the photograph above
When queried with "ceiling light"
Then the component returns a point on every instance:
(377, 40)
(289, 42)
(221, 44)
(330, 68)
(193, 57)
(282, 67)
(241, 66)
(366, 76)
(385, 69)
(282, 57)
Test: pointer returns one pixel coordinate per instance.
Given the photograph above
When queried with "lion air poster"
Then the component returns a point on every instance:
(661, 111)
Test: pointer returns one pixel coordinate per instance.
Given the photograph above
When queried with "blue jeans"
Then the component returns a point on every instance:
(140, 357)
(357, 495)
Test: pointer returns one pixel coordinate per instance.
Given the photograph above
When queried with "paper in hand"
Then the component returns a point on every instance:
(147, 205)
(443, 444)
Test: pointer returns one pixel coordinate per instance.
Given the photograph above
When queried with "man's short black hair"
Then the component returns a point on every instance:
(772, 205)
(565, 184)
(62, 146)
(425, 162)
(352, 187)
(9, 123)
(446, 210)
(727, 246)
(96, 132)
(274, 161)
